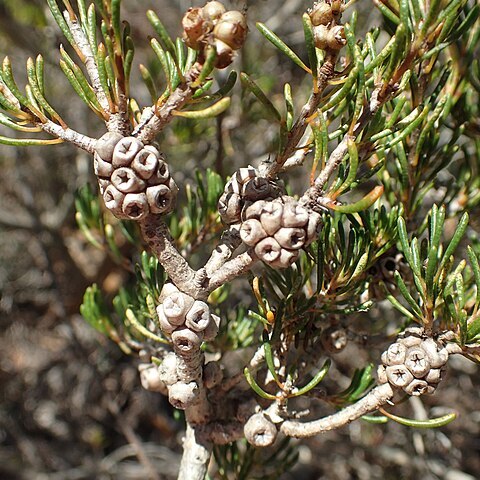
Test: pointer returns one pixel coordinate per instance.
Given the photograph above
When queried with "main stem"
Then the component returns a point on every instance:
(196, 456)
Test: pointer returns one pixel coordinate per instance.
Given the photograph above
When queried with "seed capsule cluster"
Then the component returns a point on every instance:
(328, 34)
(213, 25)
(134, 178)
(244, 188)
(278, 229)
(182, 316)
(414, 363)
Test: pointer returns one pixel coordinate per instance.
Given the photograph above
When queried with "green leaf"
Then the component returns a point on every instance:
(162, 33)
(255, 387)
(431, 423)
(310, 45)
(273, 113)
(319, 376)
(210, 112)
(278, 43)
(366, 202)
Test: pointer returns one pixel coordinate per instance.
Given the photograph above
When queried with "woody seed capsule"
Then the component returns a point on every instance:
(113, 199)
(125, 151)
(213, 10)
(321, 14)
(198, 317)
(127, 181)
(135, 206)
(290, 238)
(251, 232)
(159, 198)
(101, 167)
(286, 259)
(271, 217)
(145, 164)
(105, 145)
(231, 33)
(268, 250)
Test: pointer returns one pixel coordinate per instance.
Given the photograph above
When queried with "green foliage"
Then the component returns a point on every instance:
(241, 461)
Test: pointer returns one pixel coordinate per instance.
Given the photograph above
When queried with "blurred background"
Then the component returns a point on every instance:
(71, 405)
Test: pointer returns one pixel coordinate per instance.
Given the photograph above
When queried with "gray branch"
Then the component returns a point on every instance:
(157, 235)
(69, 135)
(89, 60)
(232, 269)
(372, 401)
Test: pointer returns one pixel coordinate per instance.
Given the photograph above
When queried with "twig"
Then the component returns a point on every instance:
(196, 456)
(326, 71)
(69, 135)
(161, 116)
(229, 242)
(376, 398)
(232, 269)
(157, 235)
(89, 60)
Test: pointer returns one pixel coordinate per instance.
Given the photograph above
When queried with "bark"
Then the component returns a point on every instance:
(376, 398)
(196, 456)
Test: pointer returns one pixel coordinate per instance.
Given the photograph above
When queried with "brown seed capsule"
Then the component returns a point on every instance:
(160, 198)
(145, 164)
(336, 37)
(320, 35)
(290, 238)
(127, 181)
(268, 250)
(135, 206)
(233, 33)
(337, 7)
(113, 199)
(213, 10)
(236, 17)
(256, 189)
(125, 151)
(105, 145)
(198, 317)
(225, 54)
(286, 259)
(251, 232)
(271, 217)
(321, 14)
(194, 27)
(101, 167)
